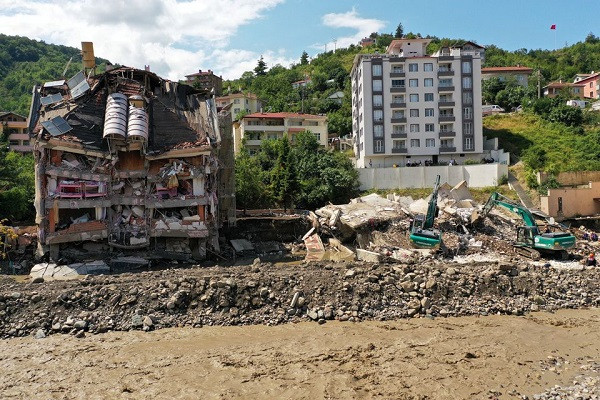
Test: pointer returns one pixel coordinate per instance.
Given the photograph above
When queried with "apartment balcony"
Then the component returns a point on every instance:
(399, 135)
(253, 142)
(445, 57)
(447, 134)
(399, 150)
(445, 72)
(446, 118)
(397, 74)
(263, 128)
(398, 89)
(445, 88)
(447, 149)
(398, 105)
(443, 103)
(469, 149)
(398, 120)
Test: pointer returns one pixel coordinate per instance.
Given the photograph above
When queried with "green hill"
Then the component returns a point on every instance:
(25, 62)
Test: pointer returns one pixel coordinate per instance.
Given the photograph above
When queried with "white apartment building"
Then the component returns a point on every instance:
(239, 102)
(254, 128)
(408, 106)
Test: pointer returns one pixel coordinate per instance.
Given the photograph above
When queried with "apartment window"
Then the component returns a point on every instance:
(447, 113)
(377, 115)
(414, 98)
(236, 101)
(468, 143)
(377, 85)
(399, 144)
(399, 129)
(398, 114)
(414, 113)
(467, 98)
(428, 82)
(467, 82)
(429, 128)
(378, 130)
(591, 85)
(377, 70)
(398, 69)
(428, 96)
(466, 67)
(360, 117)
(428, 67)
(235, 111)
(468, 112)
(467, 128)
(445, 82)
(377, 100)
(415, 142)
(429, 112)
(311, 123)
(447, 143)
(413, 82)
(398, 99)
(413, 67)
(446, 128)
(429, 142)
(398, 83)
(414, 127)
(378, 146)
(318, 136)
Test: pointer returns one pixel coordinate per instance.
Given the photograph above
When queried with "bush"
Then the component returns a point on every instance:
(570, 116)
(503, 180)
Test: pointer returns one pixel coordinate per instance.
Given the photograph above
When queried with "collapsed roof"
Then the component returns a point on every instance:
(72, 113)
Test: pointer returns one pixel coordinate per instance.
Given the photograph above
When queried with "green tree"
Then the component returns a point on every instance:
(249, 187)
(570, 116)
(304, 58)
(399, 31)
(384, 40)
(17, 188)
(261, 67)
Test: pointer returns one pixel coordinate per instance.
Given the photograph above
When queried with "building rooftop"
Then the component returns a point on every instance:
(563, 84)
(283, 115)
(506, 69)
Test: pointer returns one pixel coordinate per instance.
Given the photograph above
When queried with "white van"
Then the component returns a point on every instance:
(489, 109)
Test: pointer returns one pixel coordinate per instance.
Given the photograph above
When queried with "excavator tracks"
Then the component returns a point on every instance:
(527, 252)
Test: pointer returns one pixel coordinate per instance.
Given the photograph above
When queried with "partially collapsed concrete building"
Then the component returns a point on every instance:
(129, 161)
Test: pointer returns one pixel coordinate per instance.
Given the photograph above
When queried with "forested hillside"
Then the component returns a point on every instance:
(25, 62)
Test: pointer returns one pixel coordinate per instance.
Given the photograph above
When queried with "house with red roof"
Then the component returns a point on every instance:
(591, 85)
(251, 130)
(519, 73)
(554, 88)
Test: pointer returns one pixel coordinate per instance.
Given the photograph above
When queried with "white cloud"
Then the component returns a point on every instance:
(175, 38)
(363, 27)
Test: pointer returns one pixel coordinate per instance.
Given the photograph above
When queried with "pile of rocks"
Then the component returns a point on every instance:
(583, 388)
(264, 293)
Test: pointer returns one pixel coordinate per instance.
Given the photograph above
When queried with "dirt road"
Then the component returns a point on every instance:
(446, 358)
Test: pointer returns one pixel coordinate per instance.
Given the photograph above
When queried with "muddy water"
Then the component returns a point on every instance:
(454, 358)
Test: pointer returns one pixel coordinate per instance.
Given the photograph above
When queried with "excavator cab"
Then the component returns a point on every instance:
(526, 235)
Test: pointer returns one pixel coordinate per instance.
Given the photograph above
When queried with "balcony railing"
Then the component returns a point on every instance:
(399, 150)
(398, 89)
(399, 135)
(444, 103)
(398, 120)
(447, 149)
(445, 72)
(447, 134)
(398, 105)
(446, 118)
(446, 88)
(397, 74)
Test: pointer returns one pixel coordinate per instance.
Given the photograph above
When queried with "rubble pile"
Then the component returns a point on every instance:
(264, 293)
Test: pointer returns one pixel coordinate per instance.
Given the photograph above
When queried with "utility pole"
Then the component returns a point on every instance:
(539, 83)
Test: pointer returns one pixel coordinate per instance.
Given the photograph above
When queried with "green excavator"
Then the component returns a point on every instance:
(422, 233)
(530, 241)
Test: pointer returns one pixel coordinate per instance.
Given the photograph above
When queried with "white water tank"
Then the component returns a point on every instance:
(137, 127)
(115, 117)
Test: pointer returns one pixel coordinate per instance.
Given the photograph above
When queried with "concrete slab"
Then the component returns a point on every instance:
(241, 245)
(368, 256)
(50, 271)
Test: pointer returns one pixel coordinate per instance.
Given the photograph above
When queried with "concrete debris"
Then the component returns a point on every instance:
(241, 245)
(368, 256)
(50, 271)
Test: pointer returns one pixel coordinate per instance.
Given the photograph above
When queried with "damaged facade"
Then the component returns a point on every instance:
(129, 161)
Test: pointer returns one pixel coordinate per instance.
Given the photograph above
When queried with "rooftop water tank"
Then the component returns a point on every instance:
(115, 117)
(137, 127)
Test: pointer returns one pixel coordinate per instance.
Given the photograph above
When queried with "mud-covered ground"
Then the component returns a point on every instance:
(503, 357)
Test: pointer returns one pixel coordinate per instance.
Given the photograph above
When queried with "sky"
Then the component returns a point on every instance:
(179, 37)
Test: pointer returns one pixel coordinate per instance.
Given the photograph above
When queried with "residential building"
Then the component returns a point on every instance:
(554, 88)
(337, 97)
(408, 106)
(579, 77)
(518, 73)
(239, 102)
(367, 41)
(129, 161)
(569, 202)
(14, 128)
(591, 85)
(302, 83)
(206, 80)
(254, 128)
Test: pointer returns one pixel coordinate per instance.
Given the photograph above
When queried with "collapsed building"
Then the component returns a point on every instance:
(129, 161)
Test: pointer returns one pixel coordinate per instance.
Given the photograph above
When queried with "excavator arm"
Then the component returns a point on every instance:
(496, 199)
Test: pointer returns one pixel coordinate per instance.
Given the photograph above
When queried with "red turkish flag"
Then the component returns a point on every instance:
(553, 26)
